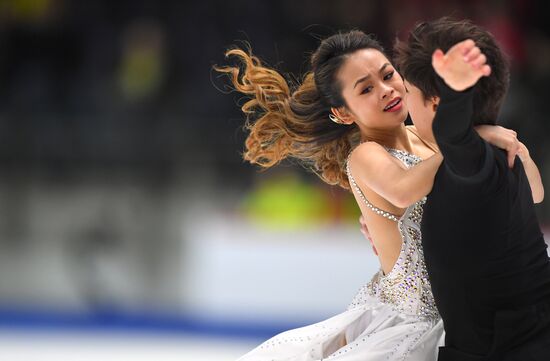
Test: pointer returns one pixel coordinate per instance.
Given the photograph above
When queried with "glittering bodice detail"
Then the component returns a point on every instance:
(406, 286)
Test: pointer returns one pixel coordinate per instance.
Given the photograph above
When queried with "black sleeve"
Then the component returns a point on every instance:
(463, 150)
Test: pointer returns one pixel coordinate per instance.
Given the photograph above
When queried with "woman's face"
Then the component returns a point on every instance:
(373, 90)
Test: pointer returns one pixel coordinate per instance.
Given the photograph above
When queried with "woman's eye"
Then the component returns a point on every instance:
(366, 90)
(388, 76)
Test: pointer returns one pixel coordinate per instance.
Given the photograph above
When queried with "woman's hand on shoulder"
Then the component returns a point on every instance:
(507, 139)
(502, 138)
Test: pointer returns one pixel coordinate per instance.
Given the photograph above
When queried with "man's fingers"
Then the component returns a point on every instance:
(479, 61)
(459, 49)
(465, 46)
(374, 250)
(366, 235)
(364, 230)
(472, 54)
(438, 58)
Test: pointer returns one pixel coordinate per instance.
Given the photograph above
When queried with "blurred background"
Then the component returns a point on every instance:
(130, 227)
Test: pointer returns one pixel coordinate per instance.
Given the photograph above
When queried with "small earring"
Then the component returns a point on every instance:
(334, 119)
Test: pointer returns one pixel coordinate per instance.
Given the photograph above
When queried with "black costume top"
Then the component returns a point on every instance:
(484, 250)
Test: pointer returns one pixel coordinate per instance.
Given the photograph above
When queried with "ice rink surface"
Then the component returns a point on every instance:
(94, 346)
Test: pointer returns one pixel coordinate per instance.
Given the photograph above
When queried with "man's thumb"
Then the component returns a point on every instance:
(437, 58)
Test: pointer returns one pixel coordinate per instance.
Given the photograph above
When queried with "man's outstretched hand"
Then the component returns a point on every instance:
(462, 66)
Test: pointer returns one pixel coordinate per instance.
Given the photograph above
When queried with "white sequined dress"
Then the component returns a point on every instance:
(393, 317)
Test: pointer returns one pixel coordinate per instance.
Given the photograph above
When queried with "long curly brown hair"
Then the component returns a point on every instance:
(288, 120)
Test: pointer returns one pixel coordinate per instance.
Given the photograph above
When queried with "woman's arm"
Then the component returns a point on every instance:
(374, 167)
(533, 174)
(502, 138)
(507, 139)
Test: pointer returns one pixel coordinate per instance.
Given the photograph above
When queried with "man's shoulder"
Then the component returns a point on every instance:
(492, 159)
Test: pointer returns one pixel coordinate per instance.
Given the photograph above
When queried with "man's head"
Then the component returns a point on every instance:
(413, 58)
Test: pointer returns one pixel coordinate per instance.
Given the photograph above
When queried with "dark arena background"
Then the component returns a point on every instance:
(130, 226)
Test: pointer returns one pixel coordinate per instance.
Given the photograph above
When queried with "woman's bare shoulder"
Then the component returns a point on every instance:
(366, 149)
(369, 155)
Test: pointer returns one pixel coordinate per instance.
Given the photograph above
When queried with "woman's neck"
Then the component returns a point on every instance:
(397, 138)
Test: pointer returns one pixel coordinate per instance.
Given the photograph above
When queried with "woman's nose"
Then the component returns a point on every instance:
(387, 91)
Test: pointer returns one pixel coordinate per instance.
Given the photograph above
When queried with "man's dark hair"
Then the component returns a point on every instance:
(413, 58)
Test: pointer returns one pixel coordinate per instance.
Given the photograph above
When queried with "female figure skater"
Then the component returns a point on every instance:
(345, 121)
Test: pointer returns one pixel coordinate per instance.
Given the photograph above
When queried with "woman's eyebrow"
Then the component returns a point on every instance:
(360, 80)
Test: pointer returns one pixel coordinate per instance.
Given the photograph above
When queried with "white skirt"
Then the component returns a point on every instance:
(369, 332)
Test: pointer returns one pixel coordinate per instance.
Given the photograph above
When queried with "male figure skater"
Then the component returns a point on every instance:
(484, 250)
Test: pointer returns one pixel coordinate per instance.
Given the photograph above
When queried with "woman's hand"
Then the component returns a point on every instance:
(504, 138)
(507, 139)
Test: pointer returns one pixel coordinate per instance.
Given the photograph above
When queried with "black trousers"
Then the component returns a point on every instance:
(520, 335)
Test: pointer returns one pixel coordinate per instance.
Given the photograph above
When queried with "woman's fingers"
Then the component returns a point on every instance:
(513, 150)
(511, 158)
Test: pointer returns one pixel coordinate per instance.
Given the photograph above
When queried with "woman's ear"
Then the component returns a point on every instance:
(343, 115)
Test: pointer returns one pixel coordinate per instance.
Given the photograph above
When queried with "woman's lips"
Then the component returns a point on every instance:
(397, 106)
